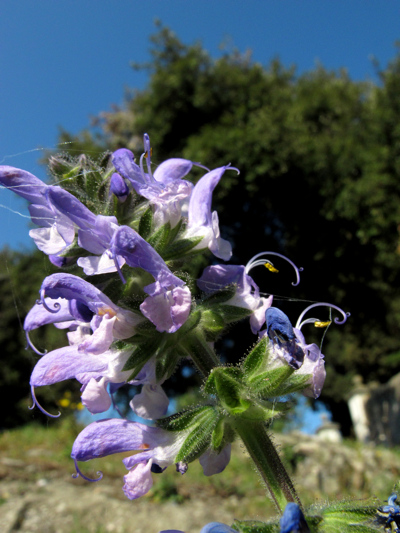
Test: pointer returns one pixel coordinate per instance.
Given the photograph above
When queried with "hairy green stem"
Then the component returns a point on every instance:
(267, 461)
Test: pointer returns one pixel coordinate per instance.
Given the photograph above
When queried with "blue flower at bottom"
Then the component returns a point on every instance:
(217, 527)
(293, 520)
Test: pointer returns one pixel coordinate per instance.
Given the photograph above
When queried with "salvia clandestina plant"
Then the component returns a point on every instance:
(124, 237)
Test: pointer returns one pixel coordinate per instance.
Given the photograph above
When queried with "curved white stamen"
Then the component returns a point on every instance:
(255, 261)
(299, 322)
(228, 167)
(201, 166)
(147, 155)
(30, 343)
(79, 473)
(308, 321)
(57, 306)
(37, 404)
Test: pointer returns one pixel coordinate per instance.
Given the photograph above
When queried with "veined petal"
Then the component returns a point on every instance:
(151, 403)
(72, 287)
(24, 184)
(257, 319)
(39, 315)
(123, 161)
(95, 396)
(104, 264)
(204, 223)
(48, 240)
(71, 207)
(137, 252)
(101, 339)
(168, 309)
(200, 201)
(214, 463)
(138, 481)
(172, 169)
(114, 435)
(65, 363)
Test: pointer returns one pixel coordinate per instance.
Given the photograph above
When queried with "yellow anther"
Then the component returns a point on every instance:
(146, 154)
(319, 324)
(271, 267)
(106, 311)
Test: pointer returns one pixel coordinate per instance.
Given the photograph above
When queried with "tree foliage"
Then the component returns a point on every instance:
(319, 160)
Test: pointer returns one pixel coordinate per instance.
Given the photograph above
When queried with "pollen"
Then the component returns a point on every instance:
(146, 155)
(144, 446)
(271, 267)
(319, 324)
(106, 311)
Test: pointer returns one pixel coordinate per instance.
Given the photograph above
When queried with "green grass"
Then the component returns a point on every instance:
(48, 448)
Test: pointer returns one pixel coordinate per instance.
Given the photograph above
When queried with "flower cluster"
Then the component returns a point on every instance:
(123, 239)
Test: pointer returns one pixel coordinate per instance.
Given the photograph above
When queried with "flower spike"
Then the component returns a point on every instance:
(79, 473)
(255, 261)
(300, 324)
(37, 404)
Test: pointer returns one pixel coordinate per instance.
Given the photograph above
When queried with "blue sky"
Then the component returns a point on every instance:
(64, 61)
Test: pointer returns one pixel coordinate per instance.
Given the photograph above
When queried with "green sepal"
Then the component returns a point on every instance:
(229, 389)
(217, 435)
(167, 361)
(272, 526)
(146, 223)
(198, 423)
(210, 386)
(222, 435)
(255, 358)
(175, 230)
(254, 526)
(295, 383)
(180, 248)
(350, 516)
(185, 419)
(219, 296)
(232, 313)
(212, 324)
(160, 238)
(267, 383)
(264, 411)
(141, 354)
(198, 440)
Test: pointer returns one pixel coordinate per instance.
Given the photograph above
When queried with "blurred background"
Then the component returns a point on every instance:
(302, 97)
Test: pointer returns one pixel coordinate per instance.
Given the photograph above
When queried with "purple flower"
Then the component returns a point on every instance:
(247, 295)
(283, 340)
(56, 231)
(293, 520)
(86, 304)
(164, 188)
(288, 344)
(158, 449)
(217, 527)
(169, 301)
(76, 304)
(118, 187)
(94, 234)
(203, 223)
